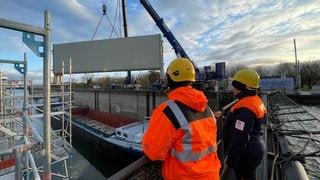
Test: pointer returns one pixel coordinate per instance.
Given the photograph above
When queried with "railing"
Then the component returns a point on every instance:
(143, 168)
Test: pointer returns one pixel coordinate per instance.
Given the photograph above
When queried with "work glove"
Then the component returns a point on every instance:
(227, 173)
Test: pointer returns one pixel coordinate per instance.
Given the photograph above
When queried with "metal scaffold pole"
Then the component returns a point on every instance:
(47, 92)
(56, 149)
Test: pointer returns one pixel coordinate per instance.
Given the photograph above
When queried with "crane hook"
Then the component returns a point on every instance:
(104, 9)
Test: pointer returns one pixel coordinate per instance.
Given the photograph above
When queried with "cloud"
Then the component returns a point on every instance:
(252, 32)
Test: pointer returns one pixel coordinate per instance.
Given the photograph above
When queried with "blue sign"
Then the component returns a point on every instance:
(272, 84)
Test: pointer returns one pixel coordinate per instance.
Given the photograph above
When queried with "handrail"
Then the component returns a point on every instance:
(32, 162)
(129, 170)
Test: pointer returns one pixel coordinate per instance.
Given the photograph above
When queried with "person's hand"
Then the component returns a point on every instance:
(227, 173)
(217, 114)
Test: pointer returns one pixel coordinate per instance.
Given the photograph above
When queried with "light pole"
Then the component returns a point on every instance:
(297, 68)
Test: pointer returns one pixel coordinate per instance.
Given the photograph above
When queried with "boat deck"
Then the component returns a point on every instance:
(95, 124)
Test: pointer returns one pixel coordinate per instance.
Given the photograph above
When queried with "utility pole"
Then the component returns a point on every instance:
(297, 68)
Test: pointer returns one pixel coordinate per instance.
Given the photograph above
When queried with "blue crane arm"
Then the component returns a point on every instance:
(164, 29)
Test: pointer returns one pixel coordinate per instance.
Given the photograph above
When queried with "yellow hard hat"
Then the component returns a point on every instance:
(181, 69)
(247, 77)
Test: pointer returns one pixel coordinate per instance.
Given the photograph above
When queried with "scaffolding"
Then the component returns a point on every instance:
(29, 147)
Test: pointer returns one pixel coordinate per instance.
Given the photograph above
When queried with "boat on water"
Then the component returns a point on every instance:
(110, 132)
(129, 137)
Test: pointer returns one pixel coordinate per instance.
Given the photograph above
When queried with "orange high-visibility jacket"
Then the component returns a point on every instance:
(182, 133)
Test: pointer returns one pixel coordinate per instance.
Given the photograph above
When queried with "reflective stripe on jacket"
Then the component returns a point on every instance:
(182, 133)
(187, 154)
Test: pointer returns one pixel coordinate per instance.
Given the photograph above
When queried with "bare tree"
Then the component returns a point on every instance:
(148, 77)
(154, 76)
(310, 73)
(232, 70)
(262, 71)
(142, 78)
(288, 69)
(105, 81)
(87, 77)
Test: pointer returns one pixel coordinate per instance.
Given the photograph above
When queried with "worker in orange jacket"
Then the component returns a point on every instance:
(182, 131)
(243, 129)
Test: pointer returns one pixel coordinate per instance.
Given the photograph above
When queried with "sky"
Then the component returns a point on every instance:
(244, 32)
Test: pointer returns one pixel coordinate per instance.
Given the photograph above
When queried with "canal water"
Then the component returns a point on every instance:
(82, 169)
(88, 165)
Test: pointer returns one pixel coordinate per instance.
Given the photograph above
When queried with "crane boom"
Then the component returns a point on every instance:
(201, 77)
(165, 30)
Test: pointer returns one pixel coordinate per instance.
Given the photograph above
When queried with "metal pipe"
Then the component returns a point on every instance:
(17, 152)
(25, 108)
(70, 112)
(129, 170)
(21, 27)
(62, 100)
(34, 130)
(46, 98)
(31, 160)
(1, 96)
(229, 105)
(147, 103)
(33, 166)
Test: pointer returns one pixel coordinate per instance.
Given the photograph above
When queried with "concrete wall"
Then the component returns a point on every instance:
(133, 104)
